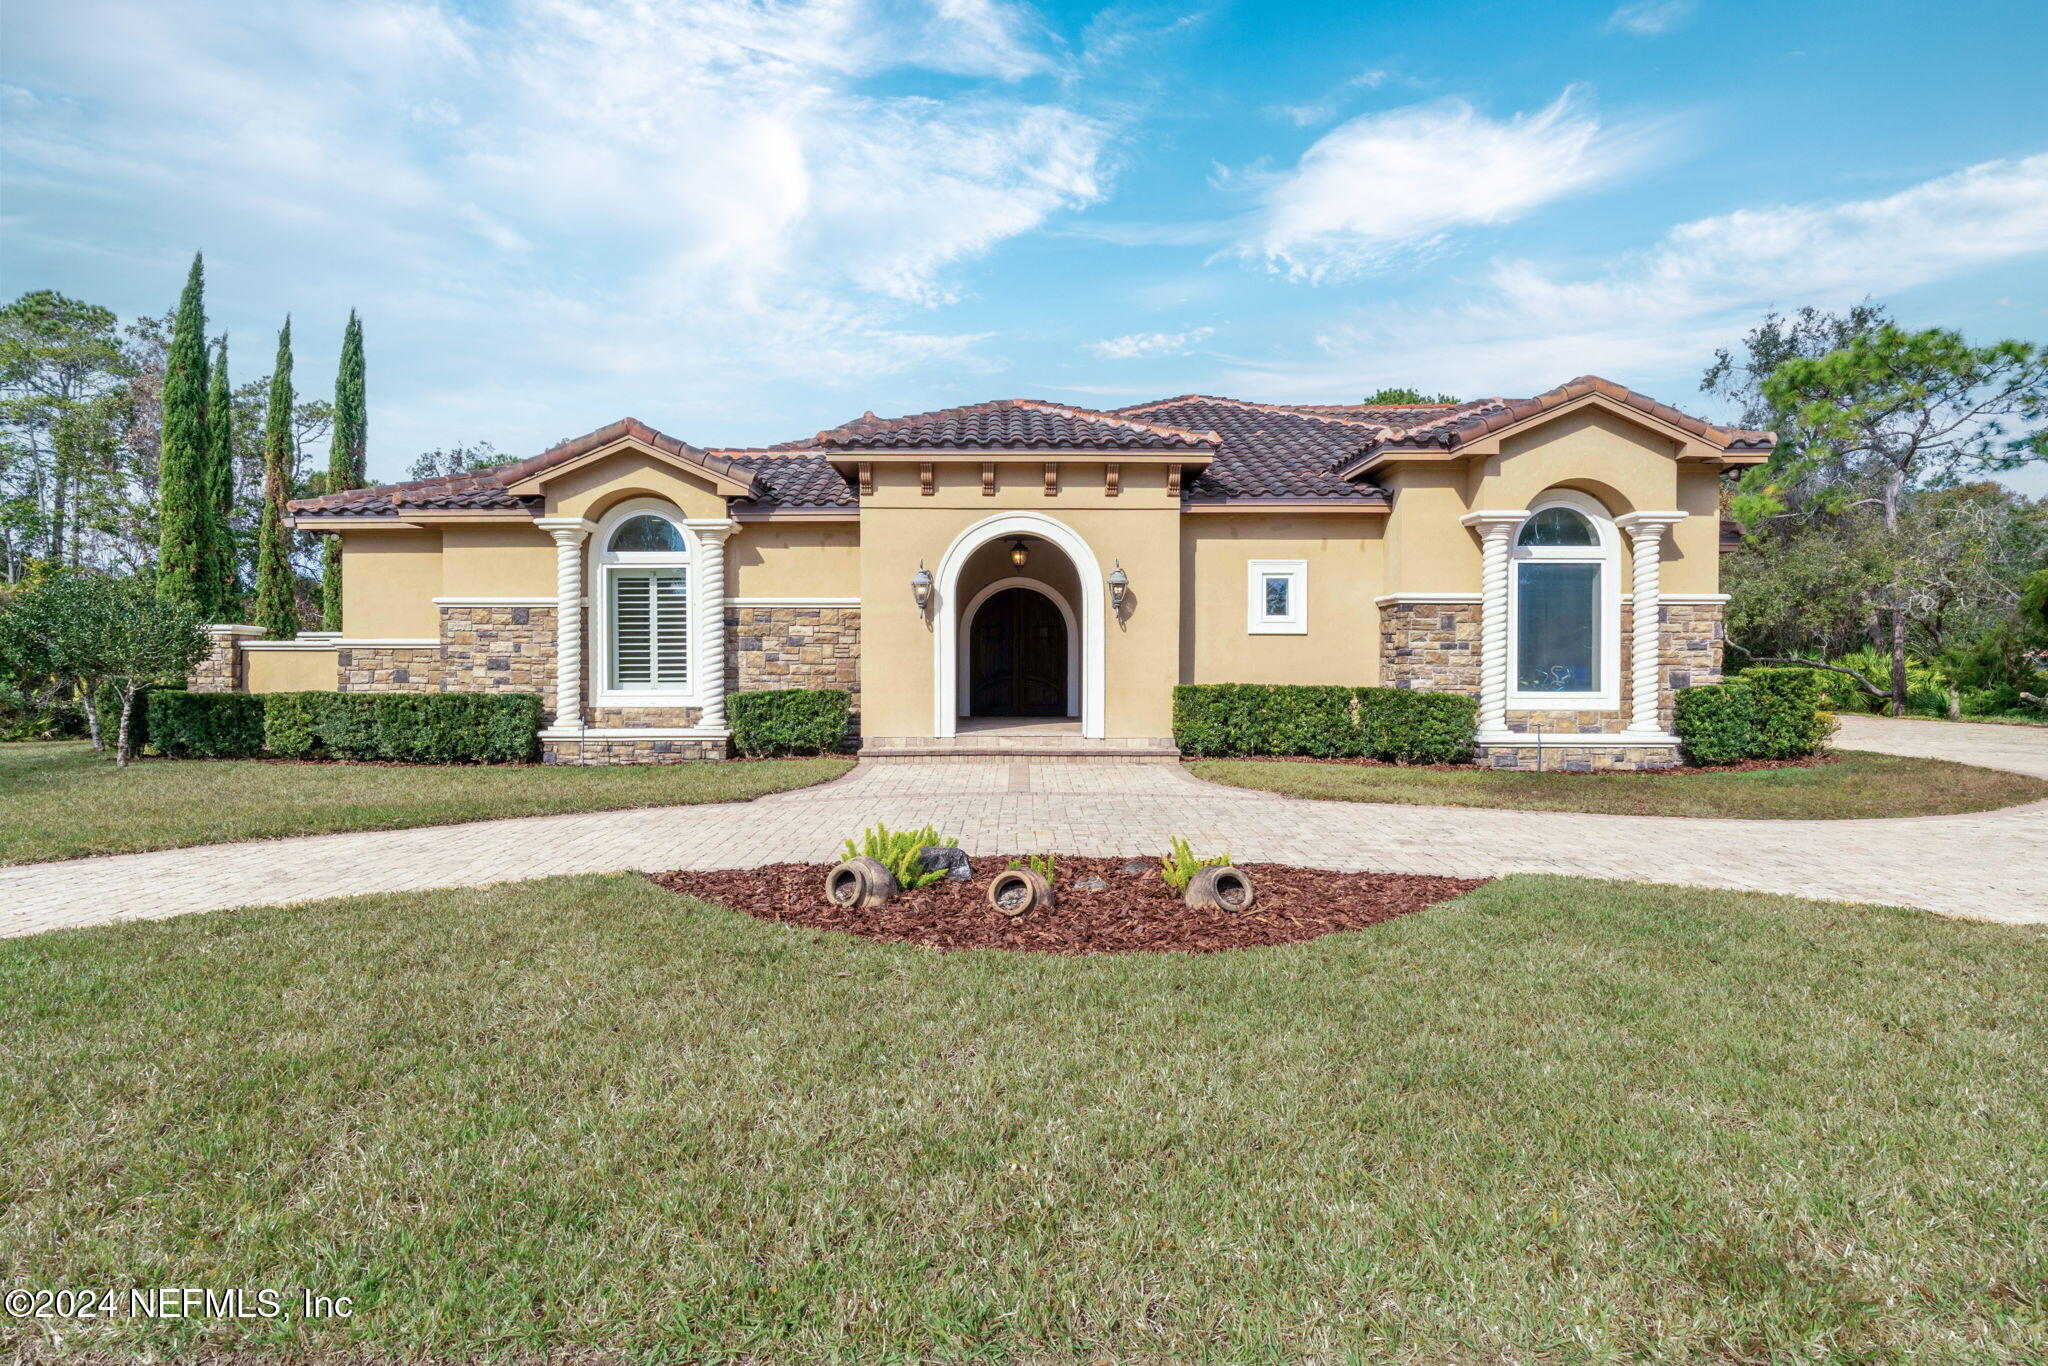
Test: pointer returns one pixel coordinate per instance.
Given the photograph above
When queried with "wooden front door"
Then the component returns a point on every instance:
(1017, 659)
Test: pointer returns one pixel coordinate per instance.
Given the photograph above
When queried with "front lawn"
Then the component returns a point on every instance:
(60, 800)
(1554, 1120)
(1857, 785)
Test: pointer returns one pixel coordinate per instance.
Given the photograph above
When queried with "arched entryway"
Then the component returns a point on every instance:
(1020, 653)
(1017, 645)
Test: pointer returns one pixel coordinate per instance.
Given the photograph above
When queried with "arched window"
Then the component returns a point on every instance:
(1565, 606)
(642, 584)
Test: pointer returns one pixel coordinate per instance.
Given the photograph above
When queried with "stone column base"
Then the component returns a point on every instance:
(1565, 757)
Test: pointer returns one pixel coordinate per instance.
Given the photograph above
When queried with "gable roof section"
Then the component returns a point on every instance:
(529, 476)
(1486, 420)
(1013, 424)
(1269, 451)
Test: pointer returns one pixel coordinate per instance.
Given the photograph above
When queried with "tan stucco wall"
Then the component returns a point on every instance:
(793, 560)
(390, 579)
(291, 670)
(592, 490)
(498, 560)
(1342, 644)
(901, 528)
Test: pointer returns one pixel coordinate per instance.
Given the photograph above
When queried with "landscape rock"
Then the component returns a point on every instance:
(1138, 867)
(954, 861)
(1091, 884)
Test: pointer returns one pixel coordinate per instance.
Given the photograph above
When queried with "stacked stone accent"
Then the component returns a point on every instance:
(1570, 758)
(644, 718)
(1430, 646)
(499, 649)
(1692, 635)
(595, 752)
(222, 670)
(794, 647)
(391, 668)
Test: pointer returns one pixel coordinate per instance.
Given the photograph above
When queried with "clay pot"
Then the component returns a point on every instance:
(1220, 889)
(1017, 890)
(860, 882)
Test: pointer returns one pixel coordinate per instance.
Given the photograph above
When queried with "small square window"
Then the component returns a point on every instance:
(1278, 598)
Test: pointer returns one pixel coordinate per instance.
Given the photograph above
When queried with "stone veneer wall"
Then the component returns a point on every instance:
(595, 752)
(222, 669)
(1430, 646)
(1692, 635)
(794, 647)
(645, 718)
(390, 668)
(493, 648)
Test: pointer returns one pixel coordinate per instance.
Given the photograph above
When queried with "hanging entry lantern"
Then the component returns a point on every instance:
(1019, 552)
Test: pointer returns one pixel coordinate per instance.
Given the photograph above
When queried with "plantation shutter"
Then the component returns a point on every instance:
(650, 611)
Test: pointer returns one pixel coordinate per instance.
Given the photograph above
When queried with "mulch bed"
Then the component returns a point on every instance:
(1678, 771)
(1137, 914)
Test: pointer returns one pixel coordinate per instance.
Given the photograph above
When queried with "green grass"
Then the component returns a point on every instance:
(1557, 1120)
(60, 800)
(1857, 785)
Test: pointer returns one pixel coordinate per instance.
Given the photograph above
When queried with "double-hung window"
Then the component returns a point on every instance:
(644, 585)
(1565, 609)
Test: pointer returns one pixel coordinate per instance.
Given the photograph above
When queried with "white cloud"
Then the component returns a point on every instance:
(1649, 18)
(1390, 183)
(697, 196)
(1140, 344)
(1660, 312)
(1322, 109)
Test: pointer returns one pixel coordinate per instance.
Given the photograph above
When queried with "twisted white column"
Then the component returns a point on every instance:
(570, 534)
(711, 618)
(1498, 532)
(1646, 643)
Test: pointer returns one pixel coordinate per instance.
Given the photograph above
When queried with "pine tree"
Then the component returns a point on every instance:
(346, 462)
(225, 570)
(184, 549)
(276, 611)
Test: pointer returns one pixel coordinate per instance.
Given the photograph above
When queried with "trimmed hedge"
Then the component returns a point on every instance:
(789, 720)
(205, 725)
(1765, 713)
(1399, 725)
(407, 728)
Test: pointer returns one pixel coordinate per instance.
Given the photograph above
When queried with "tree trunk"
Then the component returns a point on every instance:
(121, 740)
(1898, 661)
(92, 716)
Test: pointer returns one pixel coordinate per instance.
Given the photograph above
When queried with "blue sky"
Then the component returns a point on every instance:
(745, 222)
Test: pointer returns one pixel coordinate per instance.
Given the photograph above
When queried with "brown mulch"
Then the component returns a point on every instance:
(1821, 760)
(1137, 914)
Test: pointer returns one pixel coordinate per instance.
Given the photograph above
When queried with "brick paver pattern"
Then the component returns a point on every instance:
(1991, 866)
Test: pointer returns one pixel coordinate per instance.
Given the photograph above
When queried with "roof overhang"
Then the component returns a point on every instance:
(1299, 507)
(729, 482)
(1685, 445)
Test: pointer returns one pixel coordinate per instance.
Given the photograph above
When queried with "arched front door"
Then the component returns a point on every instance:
(1017, 656)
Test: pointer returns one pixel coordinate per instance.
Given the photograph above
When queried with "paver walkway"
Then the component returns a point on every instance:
(1992, 866)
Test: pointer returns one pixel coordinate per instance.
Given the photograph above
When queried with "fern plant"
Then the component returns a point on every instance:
(1041, 864)
(897, 850)
(1180, 865)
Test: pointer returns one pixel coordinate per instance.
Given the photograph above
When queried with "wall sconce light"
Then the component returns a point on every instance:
(921, 586)
(1119, 585)
(1019, 552)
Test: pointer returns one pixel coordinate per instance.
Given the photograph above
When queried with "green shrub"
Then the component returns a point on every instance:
(205, 725)
(897, 850)
(789, 720)
(1395, 724)
(1764, 714)
(1179, 866)
(406, 728)
(1045, 865)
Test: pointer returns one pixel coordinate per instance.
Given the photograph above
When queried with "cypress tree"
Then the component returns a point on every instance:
(220, 491)
(346, 461)
(276, 611)
(184, 550)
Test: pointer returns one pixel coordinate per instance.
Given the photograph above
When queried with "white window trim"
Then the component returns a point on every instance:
(1606, 554)
(599, 595)
(1256, 622)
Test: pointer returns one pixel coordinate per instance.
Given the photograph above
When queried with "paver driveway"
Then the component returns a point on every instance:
(1993, 865)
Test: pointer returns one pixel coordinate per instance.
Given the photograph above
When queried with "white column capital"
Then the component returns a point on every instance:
(1651, 524)
(566, 530)
(233, 629)
(1495, 522)
(712, 528)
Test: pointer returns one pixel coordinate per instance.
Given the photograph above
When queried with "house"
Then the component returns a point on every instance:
(1027, 567)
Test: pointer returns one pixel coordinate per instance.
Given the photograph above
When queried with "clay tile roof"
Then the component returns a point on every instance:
(789, 478)
(1491, 415)
(1268, 450)
(1012, 424)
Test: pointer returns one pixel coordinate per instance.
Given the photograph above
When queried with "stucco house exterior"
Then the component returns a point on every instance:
(1024, 572)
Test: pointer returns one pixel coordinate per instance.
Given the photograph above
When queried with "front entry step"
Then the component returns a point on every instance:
(987, 745)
